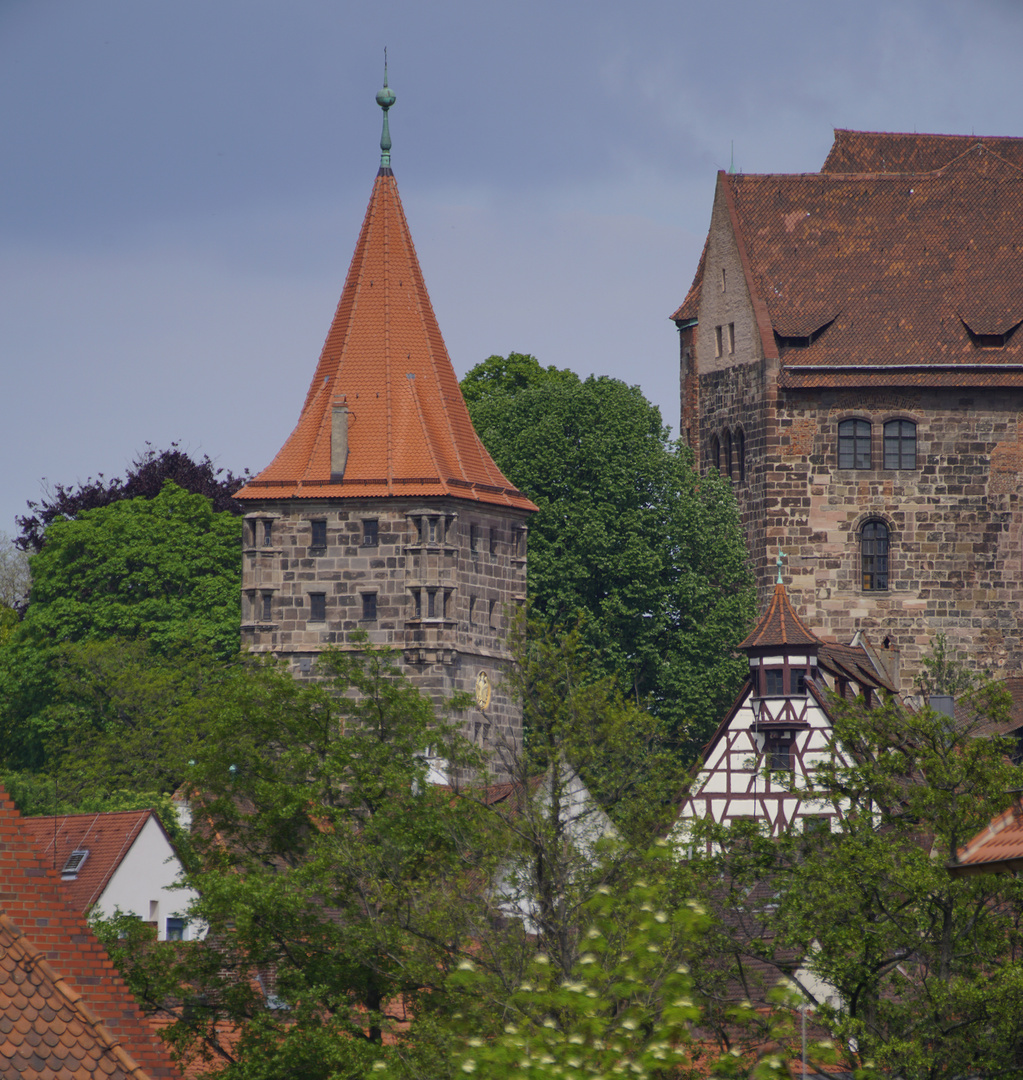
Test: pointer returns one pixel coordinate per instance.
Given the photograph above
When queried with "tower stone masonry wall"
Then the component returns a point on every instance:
(955, 521)
(447, 576)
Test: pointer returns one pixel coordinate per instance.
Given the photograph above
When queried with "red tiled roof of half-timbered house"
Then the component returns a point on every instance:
(903, 152)
(384, 360)
(64, 1010)
(780, 626)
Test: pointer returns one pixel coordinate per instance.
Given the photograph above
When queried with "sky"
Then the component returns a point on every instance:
(182, 184)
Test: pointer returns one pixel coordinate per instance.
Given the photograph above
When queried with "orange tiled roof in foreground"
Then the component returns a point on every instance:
(108, 837)
(409, 431)
(64, 1010)
(780, 625)
(997, 849)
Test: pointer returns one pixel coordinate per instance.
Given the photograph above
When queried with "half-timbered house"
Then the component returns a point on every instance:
(779, 728)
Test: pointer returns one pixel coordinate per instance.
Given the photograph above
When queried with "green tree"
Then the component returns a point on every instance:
(926, 968)
(156, 578)
(628, 537)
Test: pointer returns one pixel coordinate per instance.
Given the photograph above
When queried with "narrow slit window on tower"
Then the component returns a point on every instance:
(718, 330)
(317, 607)
(493, 541)
(740, 453)
(731, 338)
(715, 452)
(417, 601)
(433, 530)
(874, 556)
(728, 454)
(268, 533)
(474, 537)
(267, 607)
(472, 609)
(492, 614)
(431, 604)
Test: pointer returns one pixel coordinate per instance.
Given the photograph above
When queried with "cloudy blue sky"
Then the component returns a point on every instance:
(182, 184)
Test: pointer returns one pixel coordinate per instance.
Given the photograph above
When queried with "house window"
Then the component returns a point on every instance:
(175, 929)
(319, 538)
(854, 444)
(317, 607)
(799, 677)
(900, 444)
(268, 609)
(717, 340)
(369, 605)
(268, 533)
(370, 534)
(740, 454)
(774, 682)
(874, 556)
(778, 751)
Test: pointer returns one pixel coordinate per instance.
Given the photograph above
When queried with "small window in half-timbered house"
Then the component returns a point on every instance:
(778, 751)
(774, 682)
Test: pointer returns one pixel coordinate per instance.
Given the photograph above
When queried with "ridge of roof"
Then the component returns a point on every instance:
(36, 925)
(780, 626)
(108, 835)
(409, 431)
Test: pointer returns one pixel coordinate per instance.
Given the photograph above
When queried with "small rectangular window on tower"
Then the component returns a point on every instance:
(369, 606)
(492, 614)
(370, 532)
(724, 280)
(317, 607)
(731, 338)
(493, 541)
(431, 603)
(718, 330)
(268, 533)
(472, 609)
(268, 607)
(319, 534)
(474, 537)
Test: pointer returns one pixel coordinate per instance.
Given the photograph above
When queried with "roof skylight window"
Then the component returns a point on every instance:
(74, 862)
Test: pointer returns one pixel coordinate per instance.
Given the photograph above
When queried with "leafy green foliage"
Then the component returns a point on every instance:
(124, 600)
(165, 569)
(628, 537)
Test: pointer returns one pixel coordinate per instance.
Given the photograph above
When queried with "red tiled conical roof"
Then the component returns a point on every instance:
(780, 625)
(409, 432)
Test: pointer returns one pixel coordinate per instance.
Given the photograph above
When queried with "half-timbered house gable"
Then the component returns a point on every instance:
(761, 759)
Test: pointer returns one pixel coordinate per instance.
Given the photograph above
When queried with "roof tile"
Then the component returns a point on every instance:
(409, 431)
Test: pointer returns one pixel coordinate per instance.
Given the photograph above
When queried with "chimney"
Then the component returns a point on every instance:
(338, 442)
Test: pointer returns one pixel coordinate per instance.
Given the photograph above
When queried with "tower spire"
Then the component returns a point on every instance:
(385, 99)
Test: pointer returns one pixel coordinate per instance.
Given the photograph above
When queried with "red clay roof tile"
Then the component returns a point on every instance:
(894, 152)
(409, 432)
(64, 1010)
(780, 626)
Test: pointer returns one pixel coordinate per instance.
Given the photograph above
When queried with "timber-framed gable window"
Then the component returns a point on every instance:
(874, 544)
(900, 444)
(778, 751)
(854, 444)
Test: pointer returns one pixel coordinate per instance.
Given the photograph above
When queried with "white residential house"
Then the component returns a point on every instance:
(122, 860)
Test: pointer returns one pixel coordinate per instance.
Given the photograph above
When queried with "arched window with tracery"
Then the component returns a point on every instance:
(874, 541)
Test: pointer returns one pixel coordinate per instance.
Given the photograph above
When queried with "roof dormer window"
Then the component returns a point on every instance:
(990, 340)
(74, 863)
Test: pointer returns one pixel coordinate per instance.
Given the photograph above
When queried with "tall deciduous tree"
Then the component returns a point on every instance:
(146, 475)
(628, 536)
(163, 572)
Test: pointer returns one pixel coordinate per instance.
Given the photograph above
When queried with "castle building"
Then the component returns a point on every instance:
(383, 512)
(760, 761)
(851, 359)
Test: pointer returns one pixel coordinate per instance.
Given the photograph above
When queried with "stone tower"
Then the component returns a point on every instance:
(383, 511)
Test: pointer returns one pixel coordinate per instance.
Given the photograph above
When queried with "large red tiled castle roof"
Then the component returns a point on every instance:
(64, 1010)
(409, 432)
(863, 275)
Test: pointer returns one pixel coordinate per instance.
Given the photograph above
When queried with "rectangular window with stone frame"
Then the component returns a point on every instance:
(317, 607)
(318, 539)
(369, 606)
